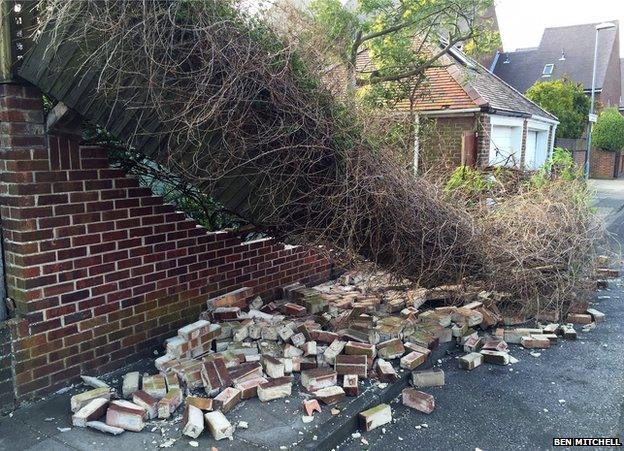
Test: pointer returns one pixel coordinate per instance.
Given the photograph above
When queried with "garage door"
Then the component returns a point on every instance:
(530, 156)
(501, 150)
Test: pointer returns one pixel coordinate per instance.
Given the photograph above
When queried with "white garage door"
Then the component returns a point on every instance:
(530, 157)
(501, 147)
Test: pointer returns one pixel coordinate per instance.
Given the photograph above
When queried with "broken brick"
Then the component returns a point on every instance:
(130, 384)
(355, 348)
(385, 371)
(147, 402)
(535, 342)
(375, 417)
(201, 403)
(103, 427)
(155, 386)
(249, 388)
(94, 410)
(335, 348)
(218, 425)
(192, 421)
(598, 316)
(317, 378)
(579, 318)
(330, 395)
(215, 376)
(350, 384)
(310, 406)
(272, 367)
(169, 403)
(80, 400)
(275, 389)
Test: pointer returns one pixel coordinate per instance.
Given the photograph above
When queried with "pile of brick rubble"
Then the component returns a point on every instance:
(328, 339)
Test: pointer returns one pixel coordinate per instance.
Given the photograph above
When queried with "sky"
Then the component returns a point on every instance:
(522, 22)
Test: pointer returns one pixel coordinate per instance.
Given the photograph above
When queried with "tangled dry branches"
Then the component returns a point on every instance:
(236, 103)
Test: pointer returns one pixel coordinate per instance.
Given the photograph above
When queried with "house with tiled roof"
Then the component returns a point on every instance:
(568, 52)
(468, 115)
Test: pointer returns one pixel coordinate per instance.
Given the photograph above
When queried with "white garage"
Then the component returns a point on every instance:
(506, 141)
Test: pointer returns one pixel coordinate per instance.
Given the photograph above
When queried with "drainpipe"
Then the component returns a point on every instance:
(416, 144)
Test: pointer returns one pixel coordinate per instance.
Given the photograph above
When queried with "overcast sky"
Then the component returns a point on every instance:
(522, 22)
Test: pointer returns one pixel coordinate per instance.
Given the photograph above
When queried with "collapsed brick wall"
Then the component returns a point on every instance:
(100, 270)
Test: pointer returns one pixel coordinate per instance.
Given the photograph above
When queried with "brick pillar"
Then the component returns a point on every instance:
(101, 271)
(483, 140)
(525, 131)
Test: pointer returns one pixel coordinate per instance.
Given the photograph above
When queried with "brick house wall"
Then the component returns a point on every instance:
(100, 270)
(7, 388)
(441, 140)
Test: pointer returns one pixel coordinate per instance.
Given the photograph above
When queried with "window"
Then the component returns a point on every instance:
(548, 70)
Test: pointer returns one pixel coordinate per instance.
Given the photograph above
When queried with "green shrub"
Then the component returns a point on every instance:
(560, 166)
(608, 132)
(566, 100)
(468, 181)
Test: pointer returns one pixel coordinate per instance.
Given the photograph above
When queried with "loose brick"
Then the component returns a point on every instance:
(155, 386)
(169, 403)
(94, 410)
(391, 349)
(352, 364)
(470, 361)
(82, 399)
(330, 395)
(495, 357)
(428, 378)
(218, 425)
(130, 384)
(126, 415)
(147, 402)
(317, 378)
(192, 422)
(350, 384)
(227, 399)
(375, 417)
(275, 389)
(418, 400)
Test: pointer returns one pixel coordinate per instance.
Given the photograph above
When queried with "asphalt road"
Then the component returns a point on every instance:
(574, 389)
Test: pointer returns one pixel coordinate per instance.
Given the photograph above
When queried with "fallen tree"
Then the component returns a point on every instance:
(237, 108)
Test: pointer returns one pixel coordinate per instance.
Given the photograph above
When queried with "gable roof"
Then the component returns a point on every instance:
(523, 68)
(461, 83)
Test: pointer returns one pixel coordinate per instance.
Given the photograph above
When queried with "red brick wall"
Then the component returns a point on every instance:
(602, 165)
(100, 270)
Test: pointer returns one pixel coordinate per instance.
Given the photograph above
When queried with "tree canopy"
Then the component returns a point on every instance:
(608, 132)
(566, 100)
(402, 39)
